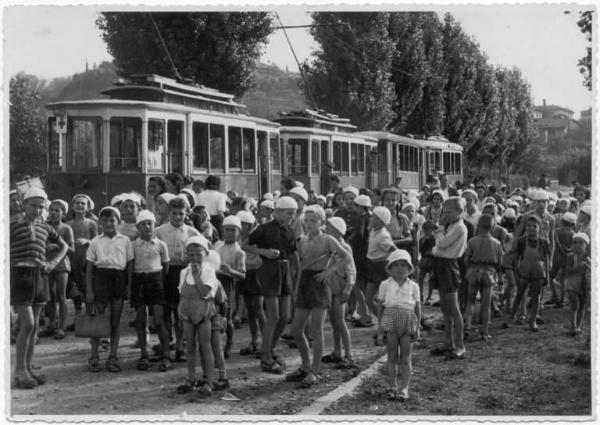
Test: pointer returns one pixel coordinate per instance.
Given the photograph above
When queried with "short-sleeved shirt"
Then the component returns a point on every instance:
(232, 255)
(472, 218)
(452, 242)
(380, 245)
(484, 250)
(392, 294)
(316, 252)
(176, 238)
(110, 253)
(149, 255)
(207, 276)
(273, 235)
(213, 200)
(28, 242)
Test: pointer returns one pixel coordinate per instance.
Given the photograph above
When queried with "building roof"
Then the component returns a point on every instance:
(549, 108)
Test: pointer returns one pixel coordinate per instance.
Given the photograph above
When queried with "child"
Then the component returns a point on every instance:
(108, 281)
(313, 293)
(426, 244)
(265, 211)
(57, 280)
(578, 283)
(84, 230)
(15, 207)
(201, 222)
(151, 264)
(198, 287)
(249, 288)
(29, 239)
(175, 234)
(130, 207)
(532, 257)
(483, 259)
(340, 282)
(233, 268)
(564, 240)
(450, 245)
(433, 211)
(162, 208)
(399, 310)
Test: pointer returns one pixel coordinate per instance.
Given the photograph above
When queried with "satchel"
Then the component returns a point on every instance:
(96, 326)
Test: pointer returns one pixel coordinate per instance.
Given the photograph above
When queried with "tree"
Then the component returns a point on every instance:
(350, 75)
(26, 128)
(218, 50)
(585, 24)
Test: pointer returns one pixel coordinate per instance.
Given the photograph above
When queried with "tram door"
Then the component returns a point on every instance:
(263, 163)
(175, 147)
(325, 169)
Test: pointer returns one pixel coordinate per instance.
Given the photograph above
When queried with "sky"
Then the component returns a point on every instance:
(541, 40)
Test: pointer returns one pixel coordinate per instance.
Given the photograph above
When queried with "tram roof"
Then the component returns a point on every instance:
(411, 141)
(326, 132)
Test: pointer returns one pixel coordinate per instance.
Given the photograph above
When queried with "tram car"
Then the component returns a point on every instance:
(150, 125)
(318, 144)
(414, 158)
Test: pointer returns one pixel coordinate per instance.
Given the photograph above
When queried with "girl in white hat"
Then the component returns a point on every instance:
(578, 280)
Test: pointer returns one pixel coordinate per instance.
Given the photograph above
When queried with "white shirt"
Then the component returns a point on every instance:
(213, 200)
(452, 242)
(391, 294)
(207, 276)
(175, 238)
(110, 253)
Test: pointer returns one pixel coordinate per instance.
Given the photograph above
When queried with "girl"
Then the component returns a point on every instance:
(399, 312)
(337, 203)
(130, 206)
(161, 208)
(201, 222)
(578, 283)
(313, 294)
(156, 186)
(173, 183)
(399, 225)
(198, 286)
(265, 211)
(58, 277)
(433, 211)
(15, 207)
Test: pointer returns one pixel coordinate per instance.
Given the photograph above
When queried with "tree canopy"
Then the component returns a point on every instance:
(585, 24)
(218, 50)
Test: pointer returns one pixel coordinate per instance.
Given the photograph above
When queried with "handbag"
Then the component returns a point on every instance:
(96, 326)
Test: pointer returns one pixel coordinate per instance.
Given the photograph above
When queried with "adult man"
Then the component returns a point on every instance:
(446, 187)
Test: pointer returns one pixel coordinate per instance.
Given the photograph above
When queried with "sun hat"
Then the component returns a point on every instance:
(145, 215)
(301, 192)
(316, 209)
(489, 204)
(351, 189)
(246, 217)
(569, 217)
(339, 224)
(322, 198)
(63, 204)
(583, 236)
(398, 255)
(35, 192)
(131, 197)
(363, 201)
(455, 202)
(286, 202)
(112, 209)
(586, 209)
(232, 220)
(116, 199)
(197, 240)
(383, 214)
(268, 204)
(510, 213)
(268, 196)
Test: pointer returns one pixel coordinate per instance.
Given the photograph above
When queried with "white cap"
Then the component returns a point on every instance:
(351, 189)
(510, 213)
(399, 255)
(89, 200)
(489, 204)
(131, 197)
(116, 199)
(322, 198)
(469, 192)
(383, 214)
(301, 192)
(63, 204)
(539, 195)
(232, 220)
(582, 236)
(197, 240)
(268, 196)
(35, 192)
(586, 209)
(363, 201)
(276, 194)
(246, 217)
(114, 210)
(268, 204)
(415, 202)
(339, 224)
(409, 204)
(569, 217)
(438, 192)
(167, 197)
(316, 209)
(145, 215)
(286, 202)
(299, 183)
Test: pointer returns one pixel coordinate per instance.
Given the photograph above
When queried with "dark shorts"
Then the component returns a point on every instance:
(480, 278)
(534, 286)
(377, 272)
(312, 293)
(229, 288)
(274, 279)
(171, 284)
(362, 269)
(446, 275)
(249, 286)
(28, 286)
(147, 289)
(109, 285)
(426, 264)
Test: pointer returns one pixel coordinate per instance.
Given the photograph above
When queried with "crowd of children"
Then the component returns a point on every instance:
(196, 261)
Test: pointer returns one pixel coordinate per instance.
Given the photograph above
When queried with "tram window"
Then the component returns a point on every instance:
(235, 148)
(275, 152)
(436, 156)
(156, 144)
(217, 147)
(297, 156)
(125, 142)
(457, 163)
(447, 166)
(315, 160)
(416, 159)
(354, 158)
(337, 155)
(345, 159)
(84, 138)
(54, 158)
(361, 159)
(248, 151)
(200, 145)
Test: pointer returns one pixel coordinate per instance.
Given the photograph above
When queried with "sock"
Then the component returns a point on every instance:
(222, 374)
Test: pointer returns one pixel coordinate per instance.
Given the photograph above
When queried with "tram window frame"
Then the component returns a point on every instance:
(151, 142)
(297, 149)
(130, 130)
(361, 159)
(436, 161)
(200, 145)
(337, 155)
(458, 163)
(354, 159)
(446, 166)
(98, 132)
(275, 147)
(315, 157)
(234, 142)
(345, 169)
(415, 159)
(216, 148)
(248, 150)
(55, 160)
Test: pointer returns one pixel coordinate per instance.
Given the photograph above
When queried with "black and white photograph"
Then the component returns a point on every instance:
(299, 212)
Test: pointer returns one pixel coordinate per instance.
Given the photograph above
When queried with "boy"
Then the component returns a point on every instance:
(151, 264)
(29, 238)
(108, 281)
(450, 245)
(426, 244)
(175, 234)
(564, 240)
(483, 259)
(130, 206)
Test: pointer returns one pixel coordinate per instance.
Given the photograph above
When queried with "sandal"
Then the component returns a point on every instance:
(185, 388)
(453, 356)
(346, 363)
(112, 364)
(331, 358)
(246, 351)
(40, 379)
(25, 383)
(220, 385)
(392, 394)
(143, 364)
(59, 334)
(440, 351)
(94, 364)
(179, 356)
(310, 380)
(296, 376)
(402, 395)
(272, 367)
(205, 389)
(165, 364)
(277, 359)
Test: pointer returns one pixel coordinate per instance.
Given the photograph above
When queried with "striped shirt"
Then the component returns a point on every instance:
(28, 242)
